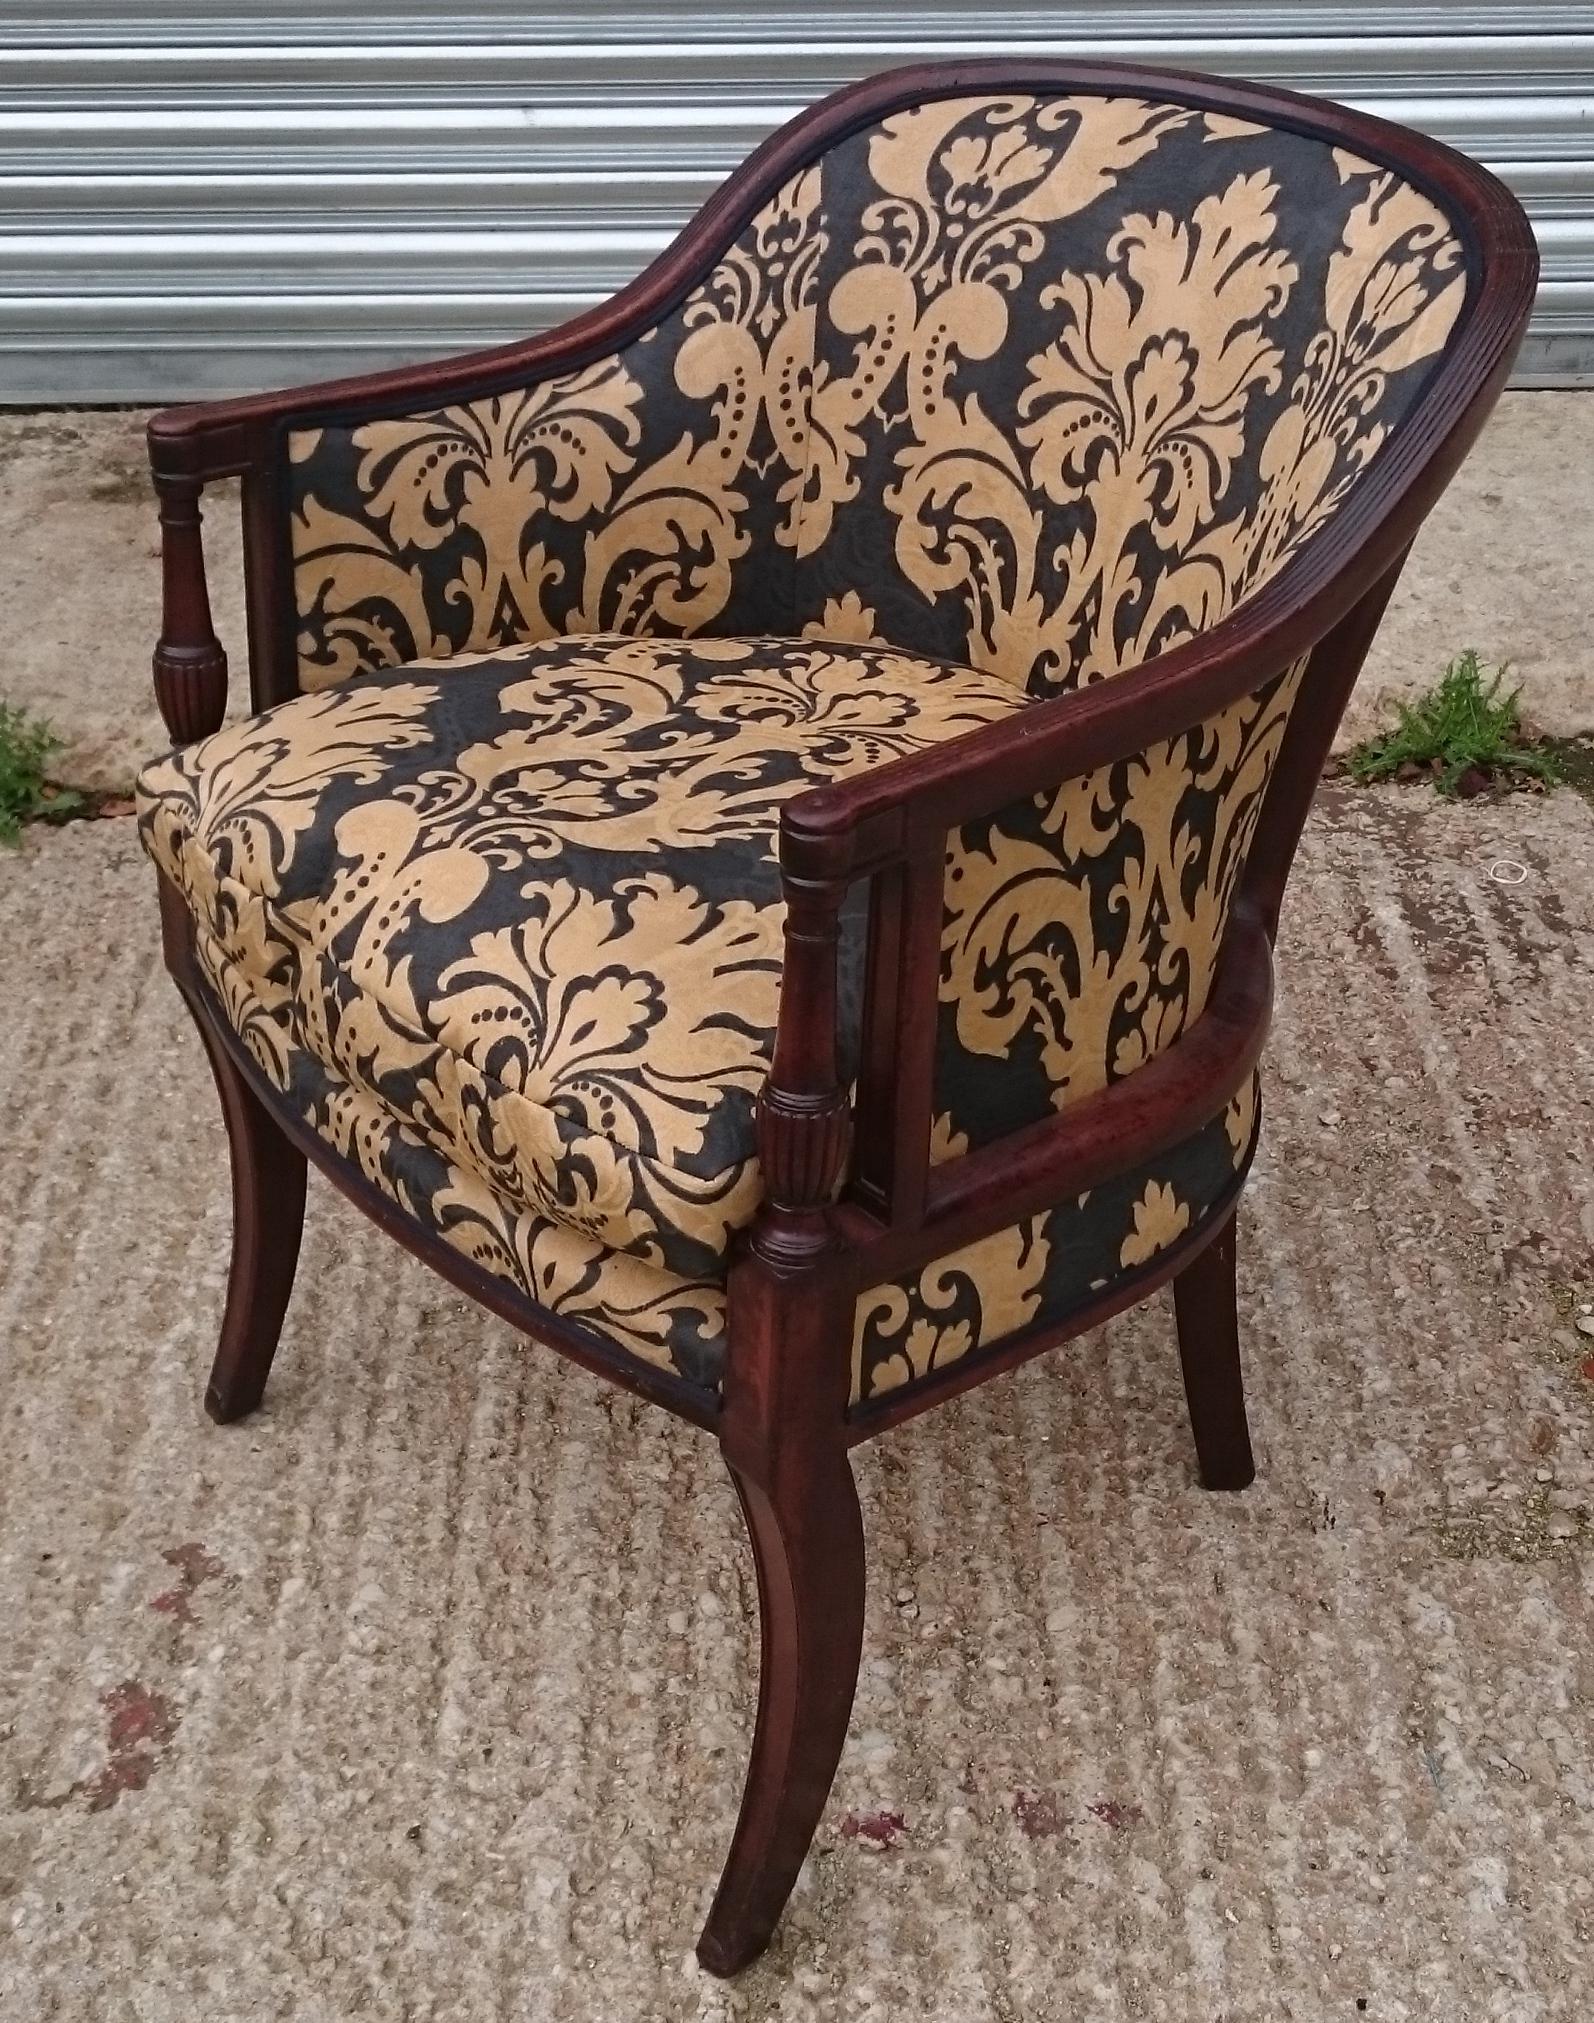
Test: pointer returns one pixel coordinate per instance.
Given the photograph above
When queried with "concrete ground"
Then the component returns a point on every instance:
(424, 1695)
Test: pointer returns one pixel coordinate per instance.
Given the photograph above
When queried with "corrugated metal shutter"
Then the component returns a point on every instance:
(198, 196)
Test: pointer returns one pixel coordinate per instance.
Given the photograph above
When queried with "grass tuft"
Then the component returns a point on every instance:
(27, 746)
(1464, 732)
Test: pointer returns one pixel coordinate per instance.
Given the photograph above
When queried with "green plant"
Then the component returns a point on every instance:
(27, 745)
(1463, 731)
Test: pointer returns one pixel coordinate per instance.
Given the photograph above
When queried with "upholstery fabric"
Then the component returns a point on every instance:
(655, 491)
(1090, 369)
(510, 932)
(1040, 385)
(1083, 927)
(1037, 1272)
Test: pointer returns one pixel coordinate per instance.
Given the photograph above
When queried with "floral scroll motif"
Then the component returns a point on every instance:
(975, 1296)
(442, 548)
(509, 930)
(615, 497)
(1140, 409)
(967, 188)
(1089, 370)
(1082, 928)
(1034, 1274)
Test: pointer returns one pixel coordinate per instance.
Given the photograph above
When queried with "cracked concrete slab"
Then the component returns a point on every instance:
(423, 1695)
(1502, 565)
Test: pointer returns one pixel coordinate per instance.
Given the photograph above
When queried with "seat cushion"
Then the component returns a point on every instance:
(507, 928)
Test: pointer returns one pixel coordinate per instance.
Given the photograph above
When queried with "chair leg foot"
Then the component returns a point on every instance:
(809, 1550)
(1209, 1351)
(268, 1189)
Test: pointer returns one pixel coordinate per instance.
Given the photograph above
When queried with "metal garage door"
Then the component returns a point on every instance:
(198, 195)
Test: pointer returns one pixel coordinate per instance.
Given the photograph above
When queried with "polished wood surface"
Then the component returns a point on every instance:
(1209, 1353)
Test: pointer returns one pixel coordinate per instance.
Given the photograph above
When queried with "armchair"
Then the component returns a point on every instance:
(759, 843)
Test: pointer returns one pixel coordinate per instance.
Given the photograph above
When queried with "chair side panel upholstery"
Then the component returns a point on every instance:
(654, 491)
(1082, 927)
(1037, 1272)
(1081, 937)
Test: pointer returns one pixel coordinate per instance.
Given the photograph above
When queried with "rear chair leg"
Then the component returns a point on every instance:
(1209, 1350)
(268, 1184)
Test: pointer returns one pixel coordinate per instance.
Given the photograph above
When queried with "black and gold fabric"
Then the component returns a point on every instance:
(1022, 1279)
(509, 931)
(653, 492)
(1041, 385)
(1000, 397)
(1082, 927)
(1090, 369)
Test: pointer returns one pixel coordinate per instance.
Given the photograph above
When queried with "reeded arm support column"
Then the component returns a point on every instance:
(190, 666)
(804, 1113)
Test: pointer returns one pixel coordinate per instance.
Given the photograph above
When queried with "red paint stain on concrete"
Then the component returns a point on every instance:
(194, 1566)
(1117, 1816)
(139, 1724)
(874, 1829)
(1038, 1814)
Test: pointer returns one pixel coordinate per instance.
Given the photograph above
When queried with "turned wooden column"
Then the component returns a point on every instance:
(803, 1113)
(190, 666)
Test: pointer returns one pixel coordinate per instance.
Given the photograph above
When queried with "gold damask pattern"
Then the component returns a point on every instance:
(654, 491)
(1089, 370)
(1083, 926)
(508, 930)
(1036, 1273)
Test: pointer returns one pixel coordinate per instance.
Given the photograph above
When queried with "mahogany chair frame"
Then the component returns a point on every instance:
(831, 1226)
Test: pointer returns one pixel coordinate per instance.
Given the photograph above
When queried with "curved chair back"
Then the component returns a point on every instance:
(1038, 366)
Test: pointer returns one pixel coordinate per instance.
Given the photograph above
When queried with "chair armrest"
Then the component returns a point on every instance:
(853, 827)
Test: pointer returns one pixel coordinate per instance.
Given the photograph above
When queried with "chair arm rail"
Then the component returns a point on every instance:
(1110, 1132)
(227, 438)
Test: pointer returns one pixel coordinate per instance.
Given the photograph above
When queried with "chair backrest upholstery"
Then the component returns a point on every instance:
(1039, 383)
(1090, 368)
(653, 491)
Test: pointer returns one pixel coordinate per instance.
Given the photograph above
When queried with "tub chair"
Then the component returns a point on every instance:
(759, 837)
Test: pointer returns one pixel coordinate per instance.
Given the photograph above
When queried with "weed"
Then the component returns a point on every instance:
(27, 746)
(1464, 732)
